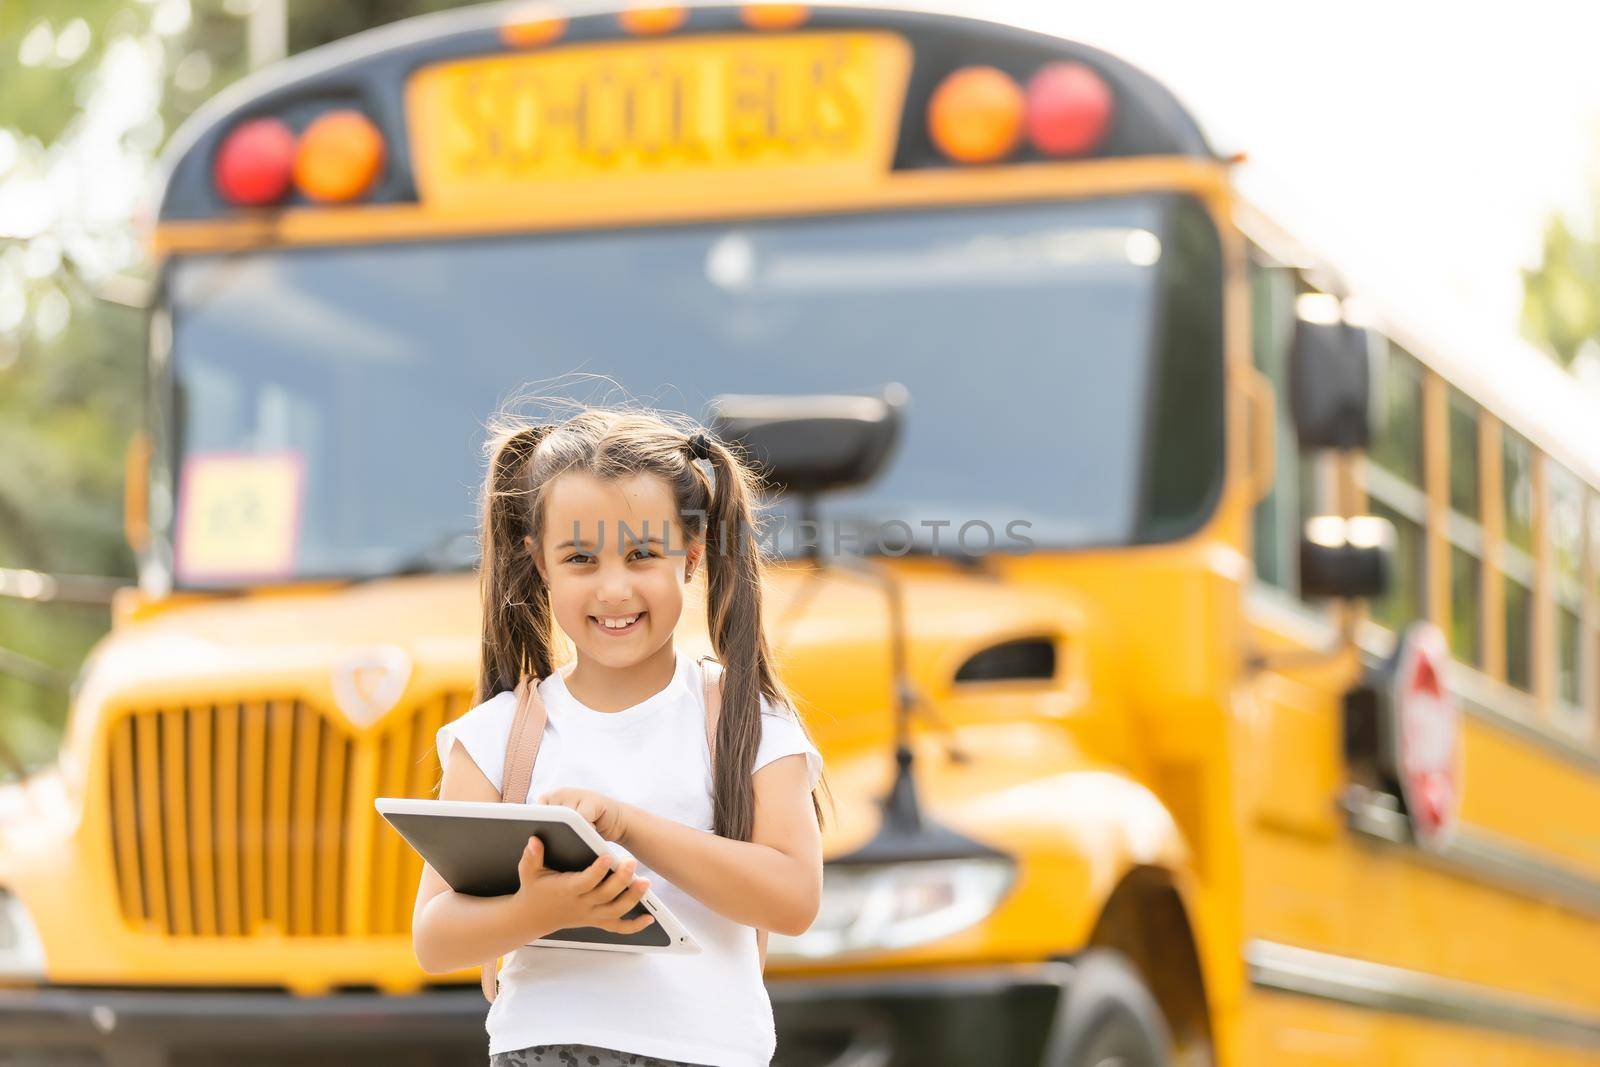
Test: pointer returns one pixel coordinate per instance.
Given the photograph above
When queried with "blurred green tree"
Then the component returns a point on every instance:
(1561, 297)
(312, 23)
(89, 92)
(79, 124)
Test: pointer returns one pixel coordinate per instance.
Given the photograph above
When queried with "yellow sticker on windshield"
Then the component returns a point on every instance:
(238, 515)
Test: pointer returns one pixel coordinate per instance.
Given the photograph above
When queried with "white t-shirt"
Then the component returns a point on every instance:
(710, 1008)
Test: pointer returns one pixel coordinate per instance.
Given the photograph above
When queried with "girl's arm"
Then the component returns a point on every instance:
(451, 931)
(771, 882)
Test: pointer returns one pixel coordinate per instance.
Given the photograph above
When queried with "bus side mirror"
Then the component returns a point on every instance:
(814, 443)
(1346, 557)
(1329, 383)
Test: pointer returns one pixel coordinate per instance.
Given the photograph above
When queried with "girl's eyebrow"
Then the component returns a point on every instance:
(633, 542)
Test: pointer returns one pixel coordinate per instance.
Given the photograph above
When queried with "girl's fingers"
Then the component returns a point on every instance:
(630, 898)
(616, 882)
(592, 875)
(626, 926)
(531, 860)
(615, 911)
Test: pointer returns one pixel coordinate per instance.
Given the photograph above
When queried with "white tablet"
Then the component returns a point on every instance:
(476, 845)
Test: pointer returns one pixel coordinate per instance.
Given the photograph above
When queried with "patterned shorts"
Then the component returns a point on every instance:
(578, 1056)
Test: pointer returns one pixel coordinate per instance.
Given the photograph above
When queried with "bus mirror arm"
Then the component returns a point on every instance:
(806, 445)
(1261, 415)
(909, 700)
(1343, 642)
(1343, 557)
(907, 833)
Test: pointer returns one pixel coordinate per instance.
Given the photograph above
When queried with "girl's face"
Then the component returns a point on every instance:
(614, 552)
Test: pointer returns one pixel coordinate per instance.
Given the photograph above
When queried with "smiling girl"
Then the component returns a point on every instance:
(597, 525)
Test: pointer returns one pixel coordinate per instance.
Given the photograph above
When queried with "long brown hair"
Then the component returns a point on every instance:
(611, 444)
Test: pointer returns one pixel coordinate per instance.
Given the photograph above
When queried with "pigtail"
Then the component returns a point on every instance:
(733, 617)
(516, 600)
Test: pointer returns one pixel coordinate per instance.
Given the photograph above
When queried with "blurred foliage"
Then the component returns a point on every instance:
(46, 51)
(312, 22)
(89, 92)
(1561, 298)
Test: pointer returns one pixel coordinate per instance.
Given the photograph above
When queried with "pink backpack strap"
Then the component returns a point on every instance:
(522, 747)
(712, 684)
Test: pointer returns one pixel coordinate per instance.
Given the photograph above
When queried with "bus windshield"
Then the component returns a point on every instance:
(1029, 338)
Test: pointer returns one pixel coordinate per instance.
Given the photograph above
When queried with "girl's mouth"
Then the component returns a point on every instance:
(617, 631)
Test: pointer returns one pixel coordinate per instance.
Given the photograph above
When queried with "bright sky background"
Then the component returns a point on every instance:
(1423, 142)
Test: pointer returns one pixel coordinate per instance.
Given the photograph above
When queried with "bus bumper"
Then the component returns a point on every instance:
(80, 1026)
(990, 1016)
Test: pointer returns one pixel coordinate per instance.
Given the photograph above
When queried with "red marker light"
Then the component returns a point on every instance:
(1069, 109)
(255, 163)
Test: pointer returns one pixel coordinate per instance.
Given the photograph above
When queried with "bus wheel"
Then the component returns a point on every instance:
(1108, 1018)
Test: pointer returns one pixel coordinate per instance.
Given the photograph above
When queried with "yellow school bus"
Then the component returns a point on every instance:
(1186, 776)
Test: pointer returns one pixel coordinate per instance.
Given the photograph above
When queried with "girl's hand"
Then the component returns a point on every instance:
(608, 816)
(599, 895)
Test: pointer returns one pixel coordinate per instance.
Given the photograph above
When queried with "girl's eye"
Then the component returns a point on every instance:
(583, 557)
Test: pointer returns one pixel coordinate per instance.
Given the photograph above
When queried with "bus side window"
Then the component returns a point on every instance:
(1564, 507)
(1464, 530)
(1298, 491)
(1591, 640)
(1394, 481)
(1517, 556)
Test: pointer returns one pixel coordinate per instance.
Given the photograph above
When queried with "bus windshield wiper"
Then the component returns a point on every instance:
(877, 538)
(454, 552)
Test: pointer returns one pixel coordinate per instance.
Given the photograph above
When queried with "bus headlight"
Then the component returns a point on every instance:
(897, 905)
(21, 951)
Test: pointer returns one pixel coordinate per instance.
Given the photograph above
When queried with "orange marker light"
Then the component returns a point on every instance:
(649, 21)
(341, 154)
(532, 25)
(975, 116)
(774, 16)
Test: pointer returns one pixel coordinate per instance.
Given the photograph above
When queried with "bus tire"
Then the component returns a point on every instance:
(1107, 1018)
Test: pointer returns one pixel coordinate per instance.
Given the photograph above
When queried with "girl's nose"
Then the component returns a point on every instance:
(615, 587)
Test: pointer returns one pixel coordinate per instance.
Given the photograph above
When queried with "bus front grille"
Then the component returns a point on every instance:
(255, 819)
